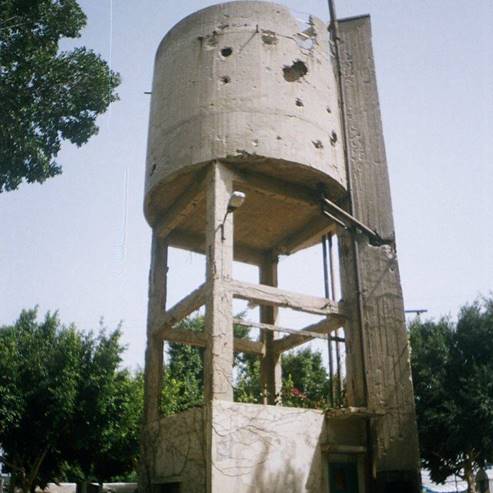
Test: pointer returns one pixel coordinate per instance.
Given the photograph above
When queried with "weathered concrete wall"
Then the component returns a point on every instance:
(179, 450)
(266, 449)
(379, 353)
(248, 448)
(241, 80)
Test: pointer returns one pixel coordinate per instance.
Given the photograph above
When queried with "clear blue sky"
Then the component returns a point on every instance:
(79, 242)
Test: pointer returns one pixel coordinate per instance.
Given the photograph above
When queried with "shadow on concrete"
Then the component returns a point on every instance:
(291, 477)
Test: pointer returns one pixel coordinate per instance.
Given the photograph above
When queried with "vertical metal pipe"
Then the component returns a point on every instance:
(325, 266)
(332, 268)
(329, 341)
(338, 377)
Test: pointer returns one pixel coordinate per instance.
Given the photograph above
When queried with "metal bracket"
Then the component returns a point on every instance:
(350, 223)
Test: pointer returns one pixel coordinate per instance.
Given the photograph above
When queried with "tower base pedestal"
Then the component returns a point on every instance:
(253, 448)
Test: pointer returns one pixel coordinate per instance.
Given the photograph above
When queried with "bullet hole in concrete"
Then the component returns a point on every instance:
(223, 26)
(328, 109)
(211, 39)
(154, 165)
(269, 37)
(242, 154)
(333, 138)
(318, 144)
(255, 143)
(225, 79)
(299, 102)
(208, 42)
(294, 72)
(279, 137)
(225, 52)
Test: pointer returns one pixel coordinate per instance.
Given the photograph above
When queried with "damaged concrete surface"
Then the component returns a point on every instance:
(178, 450)
(253, 448)
(228, 81)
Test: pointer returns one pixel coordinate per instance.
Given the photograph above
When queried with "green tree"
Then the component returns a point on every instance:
(46, 95)
(66, 409)
(452, 367)
(183, 379)
(38, 389)
(305, 380)
(104, 428)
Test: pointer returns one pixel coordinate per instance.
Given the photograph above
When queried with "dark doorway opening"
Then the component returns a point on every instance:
(168, 488)
(343, 477)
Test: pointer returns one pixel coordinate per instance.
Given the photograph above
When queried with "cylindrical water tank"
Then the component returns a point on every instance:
(248, 83)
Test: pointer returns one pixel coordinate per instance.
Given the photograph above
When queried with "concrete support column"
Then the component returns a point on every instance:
(218, 364)
(155, 312)
(375, 303)
(356, 392)
(153, 357)
(270, 369)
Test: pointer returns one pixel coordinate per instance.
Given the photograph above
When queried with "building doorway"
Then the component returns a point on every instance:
(343, 477)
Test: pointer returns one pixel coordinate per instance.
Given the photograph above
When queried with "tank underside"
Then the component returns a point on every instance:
(278, 216)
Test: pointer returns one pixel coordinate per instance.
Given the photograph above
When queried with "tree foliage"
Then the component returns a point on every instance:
(183, 379)
(38, 390)
(452, 365)
(66, 409)
(105, 426)
(46, 95)
(305, 380)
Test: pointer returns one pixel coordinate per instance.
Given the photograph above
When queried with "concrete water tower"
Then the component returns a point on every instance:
(265, 137)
